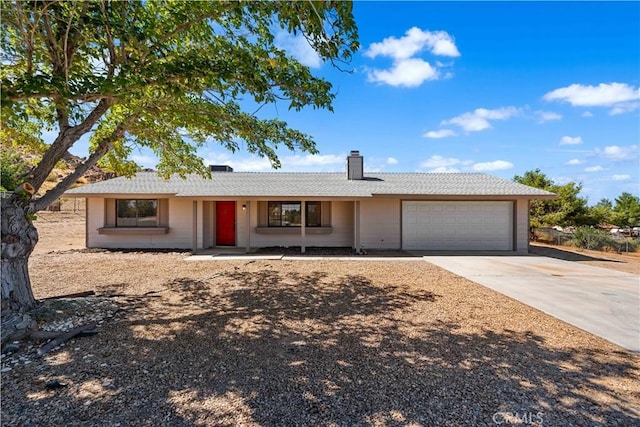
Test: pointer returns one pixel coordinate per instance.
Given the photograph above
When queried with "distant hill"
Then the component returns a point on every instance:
(94, 174)
(62, 169)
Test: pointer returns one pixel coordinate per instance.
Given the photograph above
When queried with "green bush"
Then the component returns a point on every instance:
(626, 245)
(595, 239)
(592, 238)
(11, 166)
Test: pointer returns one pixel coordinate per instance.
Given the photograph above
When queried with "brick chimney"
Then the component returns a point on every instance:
(355, 166)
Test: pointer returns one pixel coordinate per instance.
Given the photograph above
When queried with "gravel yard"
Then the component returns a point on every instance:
(335, 343)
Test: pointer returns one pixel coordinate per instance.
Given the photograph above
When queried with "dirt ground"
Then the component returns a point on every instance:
(628, 262)
(335, 343)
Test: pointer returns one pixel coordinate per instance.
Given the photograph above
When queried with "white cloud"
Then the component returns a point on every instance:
(562, 180)
(587, 114)
(300, 48)
(479, 119)
(620, 177)
(620, 96)
(574, 162)
(392, 161)
(624, 107)
(437, 161)
(251, 164)
(407, 69)
(444, 169)
(594, 169)
(442, 133)
(239, 164)
(547, 116)
(570, 140)
(410, 72)
(313, 160)
(441, 43)
(414, 41)
(618, 153)
(441, 164)
(444, 64)
(492, 166)
(295, 163)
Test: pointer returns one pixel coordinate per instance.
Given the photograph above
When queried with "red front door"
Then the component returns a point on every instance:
(225, 223)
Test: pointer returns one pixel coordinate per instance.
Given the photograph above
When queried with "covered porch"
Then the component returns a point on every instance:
(246, 224)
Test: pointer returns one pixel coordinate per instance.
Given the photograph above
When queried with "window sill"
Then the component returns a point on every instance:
(293, 230)
(133, 230)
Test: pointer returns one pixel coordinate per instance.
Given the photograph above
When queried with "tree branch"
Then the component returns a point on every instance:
(51, 44)
(171, 34)
(70, 43)
(22, 21)
(83, 97)
(110, 43)
(66, 138)
(103, 148)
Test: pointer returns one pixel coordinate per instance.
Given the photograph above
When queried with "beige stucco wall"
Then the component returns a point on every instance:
(379, 219)
(380, 223)
(521, 226)
(180, 234)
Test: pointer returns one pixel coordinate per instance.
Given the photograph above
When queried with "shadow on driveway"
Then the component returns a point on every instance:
(564, 255)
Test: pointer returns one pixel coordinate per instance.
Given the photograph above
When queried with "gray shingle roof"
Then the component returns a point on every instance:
(283, 184)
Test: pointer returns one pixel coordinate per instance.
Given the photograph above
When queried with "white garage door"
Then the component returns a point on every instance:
(457, 226)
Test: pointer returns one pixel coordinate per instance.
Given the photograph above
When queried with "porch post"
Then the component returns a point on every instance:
(356, 226)
(194, 226)
(303, 226)
(247, 224)
(199, 225)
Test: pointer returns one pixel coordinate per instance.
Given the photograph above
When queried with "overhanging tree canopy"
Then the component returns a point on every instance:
(566, 209)
(167, 75)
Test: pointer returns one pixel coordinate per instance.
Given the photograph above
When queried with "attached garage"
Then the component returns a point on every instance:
(457, 225)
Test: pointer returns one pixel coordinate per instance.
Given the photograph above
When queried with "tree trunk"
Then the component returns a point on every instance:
(19, 237)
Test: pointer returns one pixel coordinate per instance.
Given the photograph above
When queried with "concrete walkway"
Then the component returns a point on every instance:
(234, 257)
(601, 301)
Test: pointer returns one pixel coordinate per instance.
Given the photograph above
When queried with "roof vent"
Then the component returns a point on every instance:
(220, 168)
(355, 166)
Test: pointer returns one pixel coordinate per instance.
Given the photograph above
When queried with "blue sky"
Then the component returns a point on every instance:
(500, 88)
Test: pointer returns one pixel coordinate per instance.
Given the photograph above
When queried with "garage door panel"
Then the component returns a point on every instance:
(457, 225)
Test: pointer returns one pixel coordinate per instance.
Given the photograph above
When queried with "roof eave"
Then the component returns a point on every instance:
(467, 196)
(114, 195)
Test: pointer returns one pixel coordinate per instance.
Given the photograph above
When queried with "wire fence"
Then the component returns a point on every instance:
(73, 205)
(551, 236)
(68, 205)
(597, 241)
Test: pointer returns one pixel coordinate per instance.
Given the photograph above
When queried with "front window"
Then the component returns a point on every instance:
(289, 214)
(314, 219)
(137, 213)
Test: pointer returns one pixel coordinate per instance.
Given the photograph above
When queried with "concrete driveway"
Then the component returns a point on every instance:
(601, 301)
